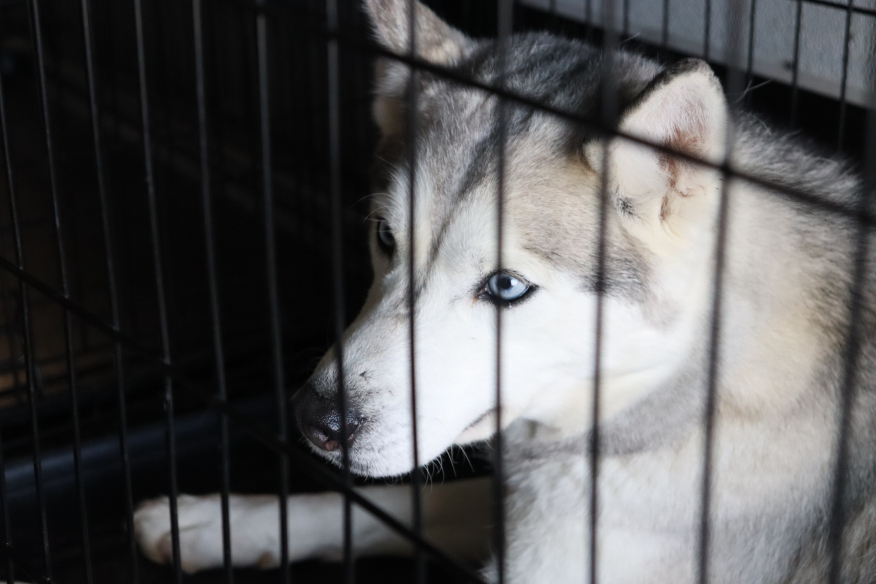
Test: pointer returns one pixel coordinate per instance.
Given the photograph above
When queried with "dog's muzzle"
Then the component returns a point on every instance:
(319, 419)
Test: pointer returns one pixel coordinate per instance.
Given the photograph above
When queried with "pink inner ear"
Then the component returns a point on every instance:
(689, 128)
(688, 131)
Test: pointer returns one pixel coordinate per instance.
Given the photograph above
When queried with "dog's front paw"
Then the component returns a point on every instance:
(200, 531)
(254, 525)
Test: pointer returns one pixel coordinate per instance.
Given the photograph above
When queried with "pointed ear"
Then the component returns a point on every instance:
(683, 108)
(435, 41)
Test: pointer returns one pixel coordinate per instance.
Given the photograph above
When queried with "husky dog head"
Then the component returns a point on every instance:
(658, 224)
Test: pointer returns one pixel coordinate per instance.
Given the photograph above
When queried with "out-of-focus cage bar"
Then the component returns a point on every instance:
(243, 121)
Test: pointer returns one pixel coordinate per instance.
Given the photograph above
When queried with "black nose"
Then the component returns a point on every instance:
(319, 419)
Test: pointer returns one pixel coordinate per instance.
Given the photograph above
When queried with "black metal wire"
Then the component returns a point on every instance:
(505, 19)
(273, 294)
(11, 335)
(707, 29)
(705, 532)
(170, 429)
(412, 127)
(852, 351)
(795, 70)
(749, 67)
(609, 114)
(12, 339)
(852, 347)
(334, 114)
(847, 39)
(588, 15)
(845, 7)
(102, 191)
(733, 82)
(36, 25)
(10, 186)
(4, 509)
(32, 396)
(171, 446)
(212, 282)
(156, 254)
(665, 25)
(158, 267)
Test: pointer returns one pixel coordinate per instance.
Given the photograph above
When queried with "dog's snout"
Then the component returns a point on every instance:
(319, 419)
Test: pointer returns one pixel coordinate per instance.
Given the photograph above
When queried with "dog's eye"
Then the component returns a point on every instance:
(506, 289)
(385, 239)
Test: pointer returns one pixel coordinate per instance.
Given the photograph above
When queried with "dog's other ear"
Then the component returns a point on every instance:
(435, 41)
(684, 109)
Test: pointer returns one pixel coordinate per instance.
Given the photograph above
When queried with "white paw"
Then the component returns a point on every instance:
(254, 522)
(200, 531)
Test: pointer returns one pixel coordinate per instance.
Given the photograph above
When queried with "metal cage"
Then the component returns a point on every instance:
(180, 179)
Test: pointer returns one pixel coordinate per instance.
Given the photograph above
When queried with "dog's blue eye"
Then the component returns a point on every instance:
(506, 288)
(384, 236)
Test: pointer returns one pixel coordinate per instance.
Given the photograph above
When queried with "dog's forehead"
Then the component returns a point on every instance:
(461, 128)
(461, 149)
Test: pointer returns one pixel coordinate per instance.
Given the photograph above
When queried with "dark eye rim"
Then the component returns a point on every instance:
(483, 290)
(384, 247)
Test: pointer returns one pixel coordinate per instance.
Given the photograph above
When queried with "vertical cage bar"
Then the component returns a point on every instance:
(795, 67)
(412, 123)
(504, 25)
(102, 192)
(847, 40)
(664, 28)
(212, 278)
(7, 294)
(334, 114)
(159, 277)
(10, 186)
(609, 115)
(588, 16)
(749, 67)
(733, 84)
(155, 241)
(36, 25)
(705, 531)
(77, 447)
(272, 285)
(4, 509)
(707, 29)
(853, 343)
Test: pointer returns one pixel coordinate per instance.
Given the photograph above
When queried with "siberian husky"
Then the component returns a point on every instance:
(788, 281)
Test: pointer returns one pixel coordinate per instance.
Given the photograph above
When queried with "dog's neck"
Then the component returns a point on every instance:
(680, 403)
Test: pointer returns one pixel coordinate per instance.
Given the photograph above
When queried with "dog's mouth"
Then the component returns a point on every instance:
(480, 419)
(483, 427)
